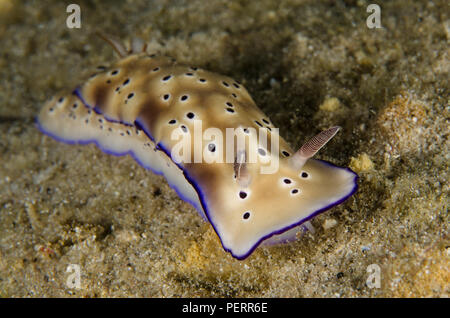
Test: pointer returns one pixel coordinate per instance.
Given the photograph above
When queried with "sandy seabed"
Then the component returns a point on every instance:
(309, 65)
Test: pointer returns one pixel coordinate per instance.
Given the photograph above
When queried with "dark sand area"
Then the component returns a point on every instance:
(308, 65)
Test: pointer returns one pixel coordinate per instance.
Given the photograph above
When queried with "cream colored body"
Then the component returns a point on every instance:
(271, 205)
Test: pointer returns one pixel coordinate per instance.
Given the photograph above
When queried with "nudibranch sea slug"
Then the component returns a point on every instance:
(138, 104)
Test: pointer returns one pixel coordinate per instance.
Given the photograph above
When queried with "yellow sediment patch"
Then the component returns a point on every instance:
(403, 122)
(330, 104)
(7, 10)
(361, 163)
(429, 279)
